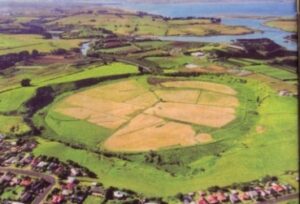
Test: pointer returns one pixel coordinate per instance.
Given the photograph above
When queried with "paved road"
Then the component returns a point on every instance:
(50, 179)
(281, 199)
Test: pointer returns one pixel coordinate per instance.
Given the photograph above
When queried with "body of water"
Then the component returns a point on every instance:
(258, 8)
(274, 34)
(261, 9)
(84, 48)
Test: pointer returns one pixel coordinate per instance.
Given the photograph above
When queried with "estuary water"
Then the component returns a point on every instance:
(229, 13)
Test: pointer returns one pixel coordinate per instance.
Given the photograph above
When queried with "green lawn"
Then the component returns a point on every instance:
(93, 200)
(12, 193)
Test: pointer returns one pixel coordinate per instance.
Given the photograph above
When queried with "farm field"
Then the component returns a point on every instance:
(18, 43)
(130, 110)
(272, 72)
(131, 23)
(175, 63)
(13, 99)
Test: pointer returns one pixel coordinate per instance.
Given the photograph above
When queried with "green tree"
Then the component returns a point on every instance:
(26, 82)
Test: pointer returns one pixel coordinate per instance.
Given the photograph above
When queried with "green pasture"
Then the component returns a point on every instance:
(97, 71)
(178, 62)
(14, 99)
(18, 43)
(77, 132)
(120, 50)
(13, 124)
(146, 25)
(272, 71)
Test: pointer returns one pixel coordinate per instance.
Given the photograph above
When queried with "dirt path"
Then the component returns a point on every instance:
(48, 178)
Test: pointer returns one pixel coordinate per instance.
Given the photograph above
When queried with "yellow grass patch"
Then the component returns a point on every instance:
(260, 129)
(153, 118)
(209, 69)
(196, 69)
(206, 29)
(216, 68)
(146, 100)
(216, 99)
(289, 25)
(220, 88)
(204, 138)
(179, 96)
(101, 112)
(153, 138)
(119, 92)
(140, 122)
(210, 116)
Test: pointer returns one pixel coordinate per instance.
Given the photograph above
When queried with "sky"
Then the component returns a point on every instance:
(156, 1)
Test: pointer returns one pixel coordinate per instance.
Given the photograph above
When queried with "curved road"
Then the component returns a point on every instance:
(48, 178)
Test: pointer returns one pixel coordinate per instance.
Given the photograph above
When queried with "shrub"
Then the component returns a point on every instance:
(35, 53)
(25, 82)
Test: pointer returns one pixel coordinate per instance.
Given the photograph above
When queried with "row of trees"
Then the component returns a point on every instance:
(11, 59)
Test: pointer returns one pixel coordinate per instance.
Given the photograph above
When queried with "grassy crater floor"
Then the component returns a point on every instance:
(261, 140)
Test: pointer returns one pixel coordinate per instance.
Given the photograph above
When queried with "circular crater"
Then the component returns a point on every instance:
(146, 117)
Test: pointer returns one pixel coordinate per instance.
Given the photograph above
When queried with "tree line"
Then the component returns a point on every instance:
(11, 59)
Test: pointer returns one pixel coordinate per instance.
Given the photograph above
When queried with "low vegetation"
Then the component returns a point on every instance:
(18, 43)
(126, 23)
(289, 25)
